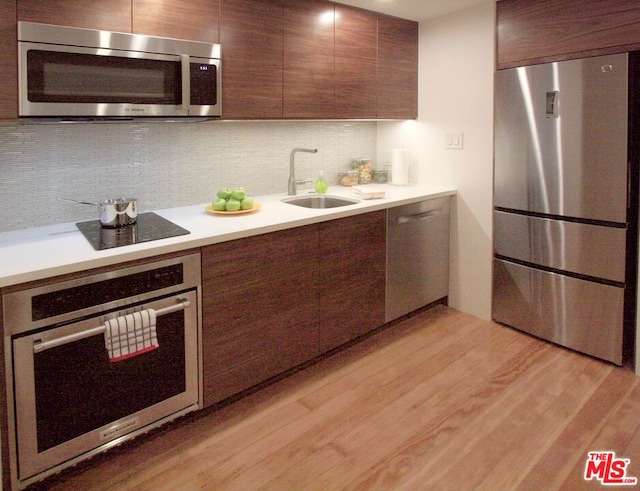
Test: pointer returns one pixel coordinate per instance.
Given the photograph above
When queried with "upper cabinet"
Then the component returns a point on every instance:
(346, 63)
(8, 60)
(196, 20)
(251, 36)
(107, 15)
(397, 68)
(309, 53)
(356, 59)
(281, 59)
(552, 30)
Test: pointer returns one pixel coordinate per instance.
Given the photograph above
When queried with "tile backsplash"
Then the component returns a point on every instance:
(163, 165)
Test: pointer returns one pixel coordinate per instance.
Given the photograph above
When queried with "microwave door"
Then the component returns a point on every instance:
(76, 81)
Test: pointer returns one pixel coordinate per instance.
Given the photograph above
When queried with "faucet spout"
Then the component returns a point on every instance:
(292, 167)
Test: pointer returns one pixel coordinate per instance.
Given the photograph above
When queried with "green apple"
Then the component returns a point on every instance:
(238, 193)
(233, 204)
(219, 204)
(247, 203)
(224, 193)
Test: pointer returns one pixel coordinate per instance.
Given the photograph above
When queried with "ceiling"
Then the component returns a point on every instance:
(417, 10)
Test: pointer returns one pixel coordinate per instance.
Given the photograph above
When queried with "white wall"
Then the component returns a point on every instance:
(456, 69)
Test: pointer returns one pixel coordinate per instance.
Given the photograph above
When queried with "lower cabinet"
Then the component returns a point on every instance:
(352, 278)
(259, 309)
(274, 301)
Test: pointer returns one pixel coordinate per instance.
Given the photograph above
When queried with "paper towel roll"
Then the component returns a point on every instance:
(399, 167)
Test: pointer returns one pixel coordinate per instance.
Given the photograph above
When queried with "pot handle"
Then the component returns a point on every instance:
(76, 201)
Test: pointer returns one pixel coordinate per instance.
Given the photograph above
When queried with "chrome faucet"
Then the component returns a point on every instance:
(292, 171)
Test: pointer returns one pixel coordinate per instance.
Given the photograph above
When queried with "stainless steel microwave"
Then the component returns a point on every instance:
(66, 72)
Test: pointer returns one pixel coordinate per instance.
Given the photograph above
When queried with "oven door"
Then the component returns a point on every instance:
(72, 401)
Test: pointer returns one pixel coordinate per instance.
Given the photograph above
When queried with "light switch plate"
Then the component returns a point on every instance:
(453, 141)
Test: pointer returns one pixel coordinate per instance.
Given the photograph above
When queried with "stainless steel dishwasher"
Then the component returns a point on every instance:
(417, 256)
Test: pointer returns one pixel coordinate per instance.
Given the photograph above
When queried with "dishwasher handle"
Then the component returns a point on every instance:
(420, 216)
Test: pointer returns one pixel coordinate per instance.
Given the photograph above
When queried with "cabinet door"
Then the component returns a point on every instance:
(308, 59)
(397, 68)
(352, 277)
(537, 32)
(260, 309)
(355, 63)
(8, 61)
(251, 35)
(195, 20)
(108, 15)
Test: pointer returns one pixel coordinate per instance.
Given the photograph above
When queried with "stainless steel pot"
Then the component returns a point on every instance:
(114, 212)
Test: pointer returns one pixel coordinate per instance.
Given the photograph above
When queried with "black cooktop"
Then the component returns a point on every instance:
(148, 226)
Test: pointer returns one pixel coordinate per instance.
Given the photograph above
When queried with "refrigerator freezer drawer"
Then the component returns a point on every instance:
(591, 250)
(581, 315)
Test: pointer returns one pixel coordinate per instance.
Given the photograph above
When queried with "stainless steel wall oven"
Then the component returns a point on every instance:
(75, 387)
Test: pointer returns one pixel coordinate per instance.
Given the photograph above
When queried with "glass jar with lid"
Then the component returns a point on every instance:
(364, 168)
(380, 176)
(348, 178)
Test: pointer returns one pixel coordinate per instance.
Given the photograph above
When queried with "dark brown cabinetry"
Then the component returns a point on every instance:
(356, 54)
(108, 15)
(342, 62)
(251, 35)
(193, 19)
(260, 309)
(8, 60)
(196, 20)
(352, 278)
(308, 59)
(397, 78)
(313, 59)
(552, 30)
(274, 301)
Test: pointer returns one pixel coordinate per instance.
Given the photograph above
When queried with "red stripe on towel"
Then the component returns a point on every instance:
(131, 355)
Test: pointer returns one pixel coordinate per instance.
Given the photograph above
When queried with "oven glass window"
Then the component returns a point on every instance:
(84, 78)
(78, 389)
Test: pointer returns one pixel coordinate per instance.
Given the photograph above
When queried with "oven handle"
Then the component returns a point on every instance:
(39, 346)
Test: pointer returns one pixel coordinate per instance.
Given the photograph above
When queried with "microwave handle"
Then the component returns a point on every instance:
(186, 82)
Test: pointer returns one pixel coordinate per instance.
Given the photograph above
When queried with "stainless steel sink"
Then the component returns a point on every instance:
(320, 201)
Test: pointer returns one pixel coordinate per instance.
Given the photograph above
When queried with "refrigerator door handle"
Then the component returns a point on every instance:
(552, 104)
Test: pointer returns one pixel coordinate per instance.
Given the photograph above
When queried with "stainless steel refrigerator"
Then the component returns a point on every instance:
(565, 207)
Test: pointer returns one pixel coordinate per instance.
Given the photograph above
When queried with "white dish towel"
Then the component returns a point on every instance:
(131, 335)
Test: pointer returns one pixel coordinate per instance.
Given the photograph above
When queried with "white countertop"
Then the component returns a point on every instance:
(44, 252)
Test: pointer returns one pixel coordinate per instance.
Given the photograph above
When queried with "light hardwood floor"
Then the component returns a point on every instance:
(441, 401)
